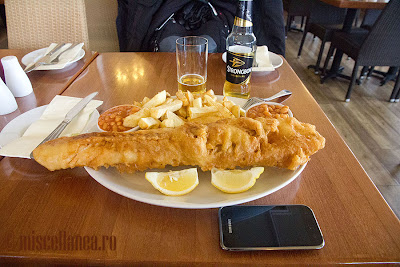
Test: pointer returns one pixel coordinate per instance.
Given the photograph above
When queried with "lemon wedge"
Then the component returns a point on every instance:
(235, 181)
(174, 183)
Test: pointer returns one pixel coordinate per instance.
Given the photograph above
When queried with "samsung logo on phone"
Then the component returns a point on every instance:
(229, 226)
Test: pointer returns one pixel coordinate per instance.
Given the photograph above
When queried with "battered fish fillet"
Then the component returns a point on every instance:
(225, 144)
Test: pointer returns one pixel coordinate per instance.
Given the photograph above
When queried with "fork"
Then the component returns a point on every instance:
(281, 96)
(57, 59)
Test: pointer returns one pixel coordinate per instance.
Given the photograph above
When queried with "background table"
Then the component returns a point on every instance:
(368, 4)
(357, 224)
(46, 84)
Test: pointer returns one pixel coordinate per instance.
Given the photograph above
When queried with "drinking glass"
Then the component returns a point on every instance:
(191, 61)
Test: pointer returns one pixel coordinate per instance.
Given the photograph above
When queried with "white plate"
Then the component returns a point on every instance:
(275, 59)
(17, 127)
(35, 55)
(205, 195)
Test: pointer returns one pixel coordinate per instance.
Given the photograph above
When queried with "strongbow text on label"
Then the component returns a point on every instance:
(238, 69)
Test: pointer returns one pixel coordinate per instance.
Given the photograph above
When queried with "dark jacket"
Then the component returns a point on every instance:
(138, 20)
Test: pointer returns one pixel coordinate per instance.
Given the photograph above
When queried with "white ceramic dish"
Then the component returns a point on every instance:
(136, 187)
(275, 59)
(17, 127)
(205, 195)
(35, 55)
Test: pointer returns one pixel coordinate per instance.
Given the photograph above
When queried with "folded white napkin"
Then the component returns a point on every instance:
(262, 59)
(65, 58)
(52, 116)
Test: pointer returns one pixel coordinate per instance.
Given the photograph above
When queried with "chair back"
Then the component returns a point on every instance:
(101, 18)
(370, 17)
(36, 24)
(323, 13)
(382, 45)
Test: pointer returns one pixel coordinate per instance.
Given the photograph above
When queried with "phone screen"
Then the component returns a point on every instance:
(269, 227)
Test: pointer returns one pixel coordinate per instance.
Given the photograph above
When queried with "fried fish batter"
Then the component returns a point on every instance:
(225, 144)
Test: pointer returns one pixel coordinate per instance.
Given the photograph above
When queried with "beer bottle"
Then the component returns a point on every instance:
(240, 46)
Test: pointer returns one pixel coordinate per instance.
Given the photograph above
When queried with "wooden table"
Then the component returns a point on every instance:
(352, 6)
(46, 84)
(357, 224)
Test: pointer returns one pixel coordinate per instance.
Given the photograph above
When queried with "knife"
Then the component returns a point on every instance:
(57, 58)
(68, 118)
(44, 59)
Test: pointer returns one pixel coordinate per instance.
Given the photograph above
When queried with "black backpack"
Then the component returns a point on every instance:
(195, 18)
(154, 25)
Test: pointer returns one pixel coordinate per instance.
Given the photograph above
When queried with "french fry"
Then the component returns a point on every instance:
(181, 96)
(223, 110)
(133, 119)
(190, 98)
(182, 112)
(168, 123)
(157, 100)
(165, 124)
(228, 104)
(148, 123)
(157, 112)
(211, 94)
(209, 100)
(177, 121)
(242, 113)
(163, 117)
(168, 100)
(197, 102)
(236, 111)
(145, 100)
(164, 111)
(137, 103)
(198, 112)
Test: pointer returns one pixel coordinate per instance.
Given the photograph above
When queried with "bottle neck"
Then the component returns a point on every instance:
(243, 19)
(242, 30)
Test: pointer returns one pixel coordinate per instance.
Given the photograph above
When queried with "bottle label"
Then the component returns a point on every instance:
(238, 67)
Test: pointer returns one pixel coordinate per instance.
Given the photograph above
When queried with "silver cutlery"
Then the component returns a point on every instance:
(43, 60)
(278, 98)
(68, 118)
(57, 59)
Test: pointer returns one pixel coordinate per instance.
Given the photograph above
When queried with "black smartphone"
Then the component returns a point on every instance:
(281, 227)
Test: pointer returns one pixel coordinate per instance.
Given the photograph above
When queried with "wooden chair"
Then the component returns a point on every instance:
(36, 24)
(379, 47)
